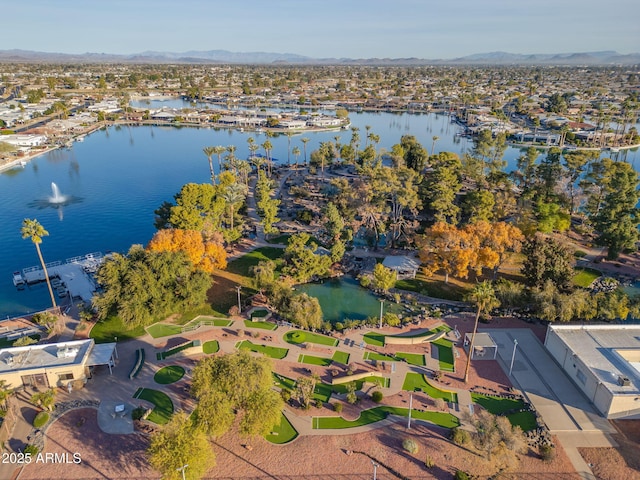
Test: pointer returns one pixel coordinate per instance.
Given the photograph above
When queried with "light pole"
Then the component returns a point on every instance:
(381, 306)
(182, 469)
(513, 355)
(410, 408)
(239, 305)
(375, 468)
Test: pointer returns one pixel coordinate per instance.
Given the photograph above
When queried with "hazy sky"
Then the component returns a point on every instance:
(323, 28)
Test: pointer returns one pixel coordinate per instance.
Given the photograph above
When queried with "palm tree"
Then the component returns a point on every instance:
(235, 193)
(230, 157)
(296, 153)
(267, 145)
(33, 230)
(304, 141)
(434, 139)
(289, 135)
(484, 296)
(209, 152)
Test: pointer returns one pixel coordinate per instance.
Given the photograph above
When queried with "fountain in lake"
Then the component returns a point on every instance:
(57, 197)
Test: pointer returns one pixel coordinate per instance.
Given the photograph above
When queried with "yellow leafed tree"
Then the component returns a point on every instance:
(204, 256)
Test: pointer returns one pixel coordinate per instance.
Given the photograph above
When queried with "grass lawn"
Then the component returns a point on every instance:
(322, 392)
(300, 336)
(342, 387)
(242, 266)
(282, 433)
(445, 354)
(379, 357)
(284, 382)
(210, 347)
(209, 309)
(174, 350)
(279, 240)
(207, 320)
(170, 374)
(375, 339)
(412, 358)
(106, 330)
(380, 381)
(435, 287)
(380, 413)
(4, 343)
(525, 420)
(262, 325)
(340, 357)
(163, 406)
(415, 381)
(158, 330)
(311, 360)
(273, 352)
(584, 276)
(496, 405)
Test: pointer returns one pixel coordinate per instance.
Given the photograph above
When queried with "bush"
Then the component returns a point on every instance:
(138, 413)
(547, 452)
(337, 407)
(410, 446)
(285, 394)
(32, 449)
(318, 403)
(429, 462)
(460, 437)
(460, 475)
(352, 398)
(41, 419)
(377, 396)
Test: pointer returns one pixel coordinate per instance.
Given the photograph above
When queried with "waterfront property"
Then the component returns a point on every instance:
(603, 361)
(53, 364)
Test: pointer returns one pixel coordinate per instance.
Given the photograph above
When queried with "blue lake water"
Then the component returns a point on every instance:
(116, 178)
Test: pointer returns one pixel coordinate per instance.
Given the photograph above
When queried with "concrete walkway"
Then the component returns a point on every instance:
(566, 411)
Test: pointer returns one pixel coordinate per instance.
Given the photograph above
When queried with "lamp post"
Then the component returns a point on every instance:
(182, 469)
(375, 468)
(410, 408)
(381, 306)
(239, 305)
(513, 355)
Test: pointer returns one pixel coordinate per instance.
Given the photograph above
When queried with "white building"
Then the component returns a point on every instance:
(405, 267)
(24, 140)
(603, 361)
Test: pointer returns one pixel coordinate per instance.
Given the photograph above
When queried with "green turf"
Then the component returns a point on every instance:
(525, 420)
(284, 382)
(412, 358)
(380, 413)
(322, 392)
(585, 276)
(210, 321)
(432, 288)
(170, 374)
(311, 360)
(173, 351)
(282, 433)
(41, 419)
(375, 339)
(300, 336)
(280, 239)
(273, 352)
(203, 310)
(342, 387)
(261, 325)
(212, 346)
(340, 357)
(415, 381)
(106, 330)
(4, 343)
(497, 405)
(379, 357)
(445, 354)
(242, 266)
(259, 313)
(158, 330)
(163, 406)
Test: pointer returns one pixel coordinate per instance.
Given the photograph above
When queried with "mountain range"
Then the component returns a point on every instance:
(225, 56)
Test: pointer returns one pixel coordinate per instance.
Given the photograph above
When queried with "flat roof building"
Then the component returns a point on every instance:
(603, 361)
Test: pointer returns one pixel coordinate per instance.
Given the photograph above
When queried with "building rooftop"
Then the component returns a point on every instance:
(44, 356)
(609, 351)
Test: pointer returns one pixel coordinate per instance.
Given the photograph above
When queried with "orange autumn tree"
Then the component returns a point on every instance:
(449, 249)
(205, 256)
(496, 241)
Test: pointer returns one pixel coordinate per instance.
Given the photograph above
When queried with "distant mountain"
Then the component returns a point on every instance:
(225, 56)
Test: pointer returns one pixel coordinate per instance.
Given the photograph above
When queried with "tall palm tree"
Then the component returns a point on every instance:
(219, 150)
(484, 296)
(235, 193)
(434, 139)
(230, 157)
(33, 230)
(267, 145)
(289, 135)
(209, 152)
(296, 153)
(304, 141)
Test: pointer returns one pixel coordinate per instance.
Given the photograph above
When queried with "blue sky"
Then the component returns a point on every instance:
(323, 28)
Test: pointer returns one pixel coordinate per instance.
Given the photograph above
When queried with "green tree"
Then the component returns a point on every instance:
(178, 444)
(267, 206)
(209, 152)
(478, 205)
(333, 222)
(302, 263)
(383, 278)
(547, 259)
(304, 390)
(33, 230)
(617, 219)
(484, 296)
(304, 311)
(415, 155)
(441, 186)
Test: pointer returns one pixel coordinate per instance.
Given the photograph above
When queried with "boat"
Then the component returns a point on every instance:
(614, 150)
(62, 291)
(18, 280)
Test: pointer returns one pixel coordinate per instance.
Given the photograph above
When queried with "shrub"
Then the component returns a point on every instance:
(547, 452)
(460, 475)
(429, 462)
(285, 395)
(337, 407)
(352, 398)
(138, 413)
(460, 437)
(377, 396)
(409, 445)
(31, 449)
(318, 403)
(41, 419)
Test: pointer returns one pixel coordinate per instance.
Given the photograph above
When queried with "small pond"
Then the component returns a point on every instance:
(344, 298)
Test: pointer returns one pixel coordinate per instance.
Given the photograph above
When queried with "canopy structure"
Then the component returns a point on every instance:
(484, 347)
(103, 354)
